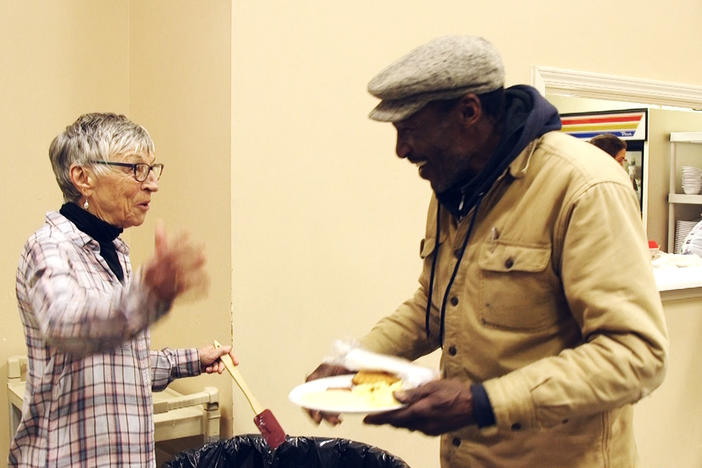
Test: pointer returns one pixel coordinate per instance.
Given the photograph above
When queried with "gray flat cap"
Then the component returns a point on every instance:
(444, 68)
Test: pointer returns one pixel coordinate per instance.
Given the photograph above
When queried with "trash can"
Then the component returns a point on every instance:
(251, 451)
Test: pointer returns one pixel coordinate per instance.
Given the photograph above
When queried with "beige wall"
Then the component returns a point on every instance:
(58, 60)
(179, 89)
(180, 66)
(312, 226)
(666, 427)
(166, 64)
(326, 221)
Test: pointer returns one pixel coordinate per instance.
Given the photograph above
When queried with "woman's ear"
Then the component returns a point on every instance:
(82, 179)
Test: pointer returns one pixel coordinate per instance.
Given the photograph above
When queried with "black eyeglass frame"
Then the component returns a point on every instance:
(134, 167)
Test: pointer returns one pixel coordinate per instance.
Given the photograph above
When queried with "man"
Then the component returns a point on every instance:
(536, 281)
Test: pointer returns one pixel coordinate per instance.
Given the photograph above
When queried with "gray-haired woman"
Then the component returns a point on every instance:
(90, 371)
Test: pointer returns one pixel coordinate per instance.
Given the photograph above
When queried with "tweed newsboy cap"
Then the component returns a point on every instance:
(444, 68)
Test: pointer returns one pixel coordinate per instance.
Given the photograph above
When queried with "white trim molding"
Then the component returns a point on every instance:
(615, 88)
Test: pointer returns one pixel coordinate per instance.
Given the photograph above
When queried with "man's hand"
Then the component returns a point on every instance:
(434, 408)
(210, 361)
(176, 267)
(326, 370)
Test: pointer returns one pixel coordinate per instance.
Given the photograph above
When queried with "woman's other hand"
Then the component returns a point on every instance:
(210, 358)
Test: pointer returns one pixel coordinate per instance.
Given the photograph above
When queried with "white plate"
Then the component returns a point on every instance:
(304, 395)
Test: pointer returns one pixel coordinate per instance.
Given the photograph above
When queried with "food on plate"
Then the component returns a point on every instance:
(374, 376)
(377, 394)
(367, 389)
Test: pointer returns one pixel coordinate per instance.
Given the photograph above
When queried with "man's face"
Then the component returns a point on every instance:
(437, 141)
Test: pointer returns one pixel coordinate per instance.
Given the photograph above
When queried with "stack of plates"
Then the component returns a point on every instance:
(682, 229)
(692, 244)
(691, 180)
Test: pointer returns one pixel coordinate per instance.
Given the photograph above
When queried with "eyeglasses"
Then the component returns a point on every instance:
(140, 170)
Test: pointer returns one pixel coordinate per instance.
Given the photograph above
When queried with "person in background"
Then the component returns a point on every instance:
(615, 147)
(612, 145)
(90, 371)
(550, 324)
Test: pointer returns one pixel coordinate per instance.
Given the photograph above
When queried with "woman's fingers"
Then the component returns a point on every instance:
(160, 240)
(177, 266)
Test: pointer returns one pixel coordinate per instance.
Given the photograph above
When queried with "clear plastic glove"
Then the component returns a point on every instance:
(352, 357)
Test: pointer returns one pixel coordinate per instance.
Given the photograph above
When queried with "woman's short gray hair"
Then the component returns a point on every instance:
(96, 136)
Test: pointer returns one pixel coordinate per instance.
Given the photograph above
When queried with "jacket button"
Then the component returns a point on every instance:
(457, 253)
(452, 350)
(509, 263)
(516, 427)
(456, 441)
(454, 301)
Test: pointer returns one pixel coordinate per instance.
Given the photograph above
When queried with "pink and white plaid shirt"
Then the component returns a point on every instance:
(90, 371)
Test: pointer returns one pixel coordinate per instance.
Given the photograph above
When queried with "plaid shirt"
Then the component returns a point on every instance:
(90, 372)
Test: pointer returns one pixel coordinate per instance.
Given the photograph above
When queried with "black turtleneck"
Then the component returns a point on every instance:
(103, 232)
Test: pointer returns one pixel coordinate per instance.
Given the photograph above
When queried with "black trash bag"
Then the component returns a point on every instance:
(251, 451)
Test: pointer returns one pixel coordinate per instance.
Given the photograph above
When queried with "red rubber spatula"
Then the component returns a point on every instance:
(270, 428)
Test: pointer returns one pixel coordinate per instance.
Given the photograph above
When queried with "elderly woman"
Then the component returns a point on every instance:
(85, 313)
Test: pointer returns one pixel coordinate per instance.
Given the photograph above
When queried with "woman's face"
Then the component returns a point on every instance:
(118, 197)
(620, 157)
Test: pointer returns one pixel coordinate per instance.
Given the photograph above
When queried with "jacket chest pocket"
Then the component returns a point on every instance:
(427, 247)
(517, 290)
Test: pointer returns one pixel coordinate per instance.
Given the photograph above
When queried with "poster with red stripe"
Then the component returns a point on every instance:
(628, 124)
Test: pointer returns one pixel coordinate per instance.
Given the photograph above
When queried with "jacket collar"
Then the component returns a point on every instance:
(528, 116)
(519, 167)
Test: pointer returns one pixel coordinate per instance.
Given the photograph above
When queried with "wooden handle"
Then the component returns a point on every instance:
(236, 375)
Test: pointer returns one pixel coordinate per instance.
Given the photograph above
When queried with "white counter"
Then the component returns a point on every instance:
(678, 281)
(668, 422)
(678, 278)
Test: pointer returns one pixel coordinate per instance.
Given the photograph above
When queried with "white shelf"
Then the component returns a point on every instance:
(176, 415)
(675, 199)
(686, 137)
(685, 199)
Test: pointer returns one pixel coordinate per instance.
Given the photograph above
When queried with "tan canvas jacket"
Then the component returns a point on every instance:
(554, 309)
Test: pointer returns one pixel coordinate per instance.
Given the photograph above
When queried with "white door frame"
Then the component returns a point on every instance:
(617, 88)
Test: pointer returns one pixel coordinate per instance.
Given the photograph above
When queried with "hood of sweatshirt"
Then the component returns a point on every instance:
(528, 115)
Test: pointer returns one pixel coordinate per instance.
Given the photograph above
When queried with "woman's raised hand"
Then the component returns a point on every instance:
(177, 267)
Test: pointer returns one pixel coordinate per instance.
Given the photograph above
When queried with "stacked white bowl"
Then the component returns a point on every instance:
(691, 180)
